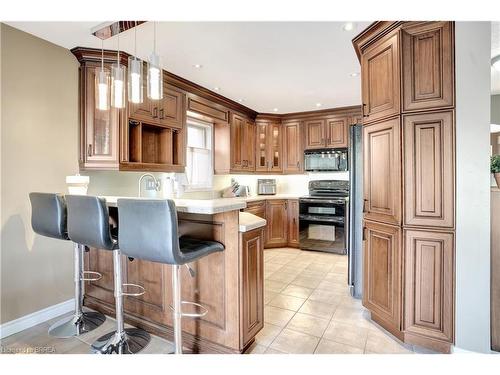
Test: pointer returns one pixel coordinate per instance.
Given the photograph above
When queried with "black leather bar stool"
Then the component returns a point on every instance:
(88, 224)
(49, 219)
(149, 231)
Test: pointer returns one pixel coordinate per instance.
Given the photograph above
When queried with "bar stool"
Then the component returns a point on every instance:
(49, 219)
(88, 224)
(149, 231)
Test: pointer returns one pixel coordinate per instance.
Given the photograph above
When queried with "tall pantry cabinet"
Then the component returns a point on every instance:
(407, 79)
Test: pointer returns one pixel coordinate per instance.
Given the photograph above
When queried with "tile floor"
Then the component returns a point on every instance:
(308, 309)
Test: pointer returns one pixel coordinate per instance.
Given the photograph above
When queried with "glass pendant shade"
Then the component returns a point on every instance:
(155, 78)
(102, 89)
(135, 79)
(118, 85)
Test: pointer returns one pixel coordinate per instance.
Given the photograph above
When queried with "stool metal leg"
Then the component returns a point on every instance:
(123, 340)
(177, 310)
(80, 322)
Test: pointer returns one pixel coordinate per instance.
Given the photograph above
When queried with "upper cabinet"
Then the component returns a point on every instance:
(99, 130)
(332, 132)
(242, 144)
(268, 146)
(427, 65)
(380, 79)
(292, 148)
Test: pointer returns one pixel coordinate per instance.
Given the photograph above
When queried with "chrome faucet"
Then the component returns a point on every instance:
(156, 182)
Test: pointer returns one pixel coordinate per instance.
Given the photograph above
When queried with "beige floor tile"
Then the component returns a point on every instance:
(272, 266)
(297, 291)
(352, 302)
(383, 344)
(291, 269)
(347, 334)
(281, 259)
(308, 282)
(318, 309)
(256, 349)
(293, 342)
(287, 302)
(268, 296)
(274, 351)
(308, 324)
(277, 316)
(326, 296)
(274, 286)
(334, 277)
(319, 267)
(158, 345)
(333, 285)
(314, 274)
(331, 347)
(348, 314)
(267, 334)
(282, 277)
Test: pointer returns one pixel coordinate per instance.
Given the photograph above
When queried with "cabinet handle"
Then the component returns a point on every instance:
(89, 150)
(364, 233)
(161, 114)
(298, 165)
(155, 112)
(286, 205)
(365, 201)
(363, 109)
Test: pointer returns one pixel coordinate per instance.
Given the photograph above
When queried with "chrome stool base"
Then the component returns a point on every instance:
(132, 341)
(75, 326)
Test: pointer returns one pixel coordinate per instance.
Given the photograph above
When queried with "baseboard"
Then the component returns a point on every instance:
(31, 320)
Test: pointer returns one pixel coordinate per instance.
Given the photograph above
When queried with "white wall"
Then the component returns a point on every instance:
(472, 57)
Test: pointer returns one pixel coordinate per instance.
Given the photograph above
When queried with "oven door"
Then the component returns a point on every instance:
(322, 225)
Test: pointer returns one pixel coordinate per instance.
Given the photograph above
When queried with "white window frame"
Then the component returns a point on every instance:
(209, 139)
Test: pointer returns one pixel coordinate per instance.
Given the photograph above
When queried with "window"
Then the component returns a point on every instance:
(199, 155)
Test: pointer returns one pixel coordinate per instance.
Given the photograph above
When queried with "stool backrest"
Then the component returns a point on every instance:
(88, 222)
(49, 215)
(148, 230)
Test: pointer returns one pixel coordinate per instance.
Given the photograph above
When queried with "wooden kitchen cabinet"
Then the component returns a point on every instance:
(380, 79)
(293, 160)
(293, 222)
(242, 144)
(252, 284)
(257, 208)
(428, 65)
(101, 261)
(268, 146)
(327, 133)
(429, 169)
(382, 272)
(99, 129)
(428, 294)
(277, 223)
(382, 172)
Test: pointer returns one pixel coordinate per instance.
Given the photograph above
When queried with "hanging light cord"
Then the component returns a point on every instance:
(118, 52)
(135, 41)
(102, 54)
(154, 37)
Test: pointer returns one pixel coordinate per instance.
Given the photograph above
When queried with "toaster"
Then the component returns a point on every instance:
(266, 186)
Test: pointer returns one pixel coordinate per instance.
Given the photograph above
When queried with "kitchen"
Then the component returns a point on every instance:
(293, 194)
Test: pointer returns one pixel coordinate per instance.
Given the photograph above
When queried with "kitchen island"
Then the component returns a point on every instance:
(229, 283)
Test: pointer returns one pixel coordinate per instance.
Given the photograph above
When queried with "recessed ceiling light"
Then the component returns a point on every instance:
(355, 74)
(318, 105)
(275, 109)
(197, 66)
(240, 100)
(348, 26)
(216, 88)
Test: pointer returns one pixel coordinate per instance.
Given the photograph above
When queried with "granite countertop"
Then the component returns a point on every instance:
(250, 222)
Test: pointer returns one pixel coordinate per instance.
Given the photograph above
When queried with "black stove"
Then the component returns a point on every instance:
(322, 216)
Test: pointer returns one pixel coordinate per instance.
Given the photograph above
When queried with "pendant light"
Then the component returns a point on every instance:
(118, 81)
(155, 73)
(135, 76)
(102, 84)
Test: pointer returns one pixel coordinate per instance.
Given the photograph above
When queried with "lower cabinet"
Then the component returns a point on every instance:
(293, 222)
(277, 223)
(429, 264)
(252, 284)
(382, 274)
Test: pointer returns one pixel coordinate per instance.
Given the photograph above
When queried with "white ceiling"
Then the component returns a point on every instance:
(290, 66)
(495, 51)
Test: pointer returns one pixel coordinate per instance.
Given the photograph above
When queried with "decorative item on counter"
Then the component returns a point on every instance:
(180, 180)
(77, 185)
(168, 187)
(235, 190)
(495, 168)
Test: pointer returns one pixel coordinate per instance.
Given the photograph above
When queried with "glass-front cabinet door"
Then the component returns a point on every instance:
(261, 156)
(268, 146)
(275, 147)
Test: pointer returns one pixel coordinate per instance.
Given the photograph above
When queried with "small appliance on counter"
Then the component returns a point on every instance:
(325, 160)
(266, 186)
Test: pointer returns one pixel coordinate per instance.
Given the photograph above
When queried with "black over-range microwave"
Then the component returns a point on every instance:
(326, 160)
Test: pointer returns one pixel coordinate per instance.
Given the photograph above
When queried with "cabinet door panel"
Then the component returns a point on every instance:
(276, 215)
(101, 261)
(237, 134)
(171, 111)
(382, 272)
(429, 262)
(252, 284)
(337, 133)
(249, 145)
(292, 148)
(428, 67)
(382, 171)
(429, 169)
(293, 222)
(380, 79)
(315, 134)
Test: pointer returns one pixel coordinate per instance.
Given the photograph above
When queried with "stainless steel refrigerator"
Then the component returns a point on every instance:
(355, 219)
